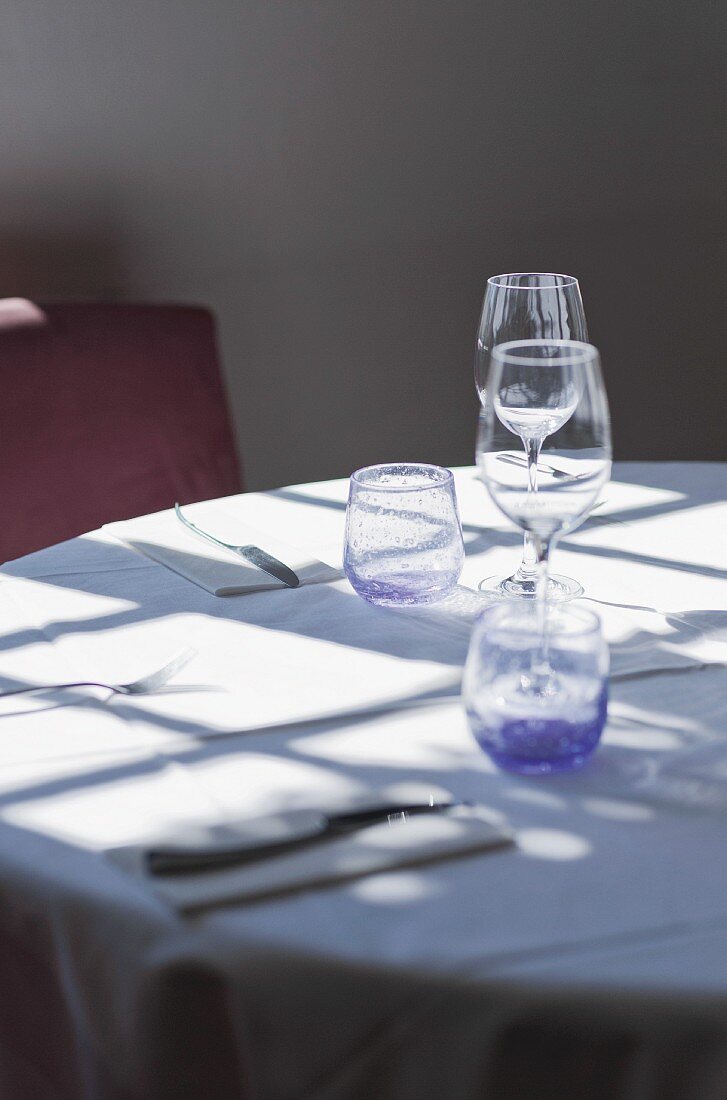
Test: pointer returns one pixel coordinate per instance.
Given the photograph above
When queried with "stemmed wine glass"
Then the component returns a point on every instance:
(545, 439)
(523, 306)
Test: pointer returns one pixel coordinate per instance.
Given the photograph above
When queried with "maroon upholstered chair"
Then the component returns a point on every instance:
(106, 412)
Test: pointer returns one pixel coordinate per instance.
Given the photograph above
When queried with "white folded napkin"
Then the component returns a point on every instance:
(418, 839)
(162, 537)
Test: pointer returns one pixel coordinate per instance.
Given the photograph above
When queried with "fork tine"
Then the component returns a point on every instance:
(160, 677)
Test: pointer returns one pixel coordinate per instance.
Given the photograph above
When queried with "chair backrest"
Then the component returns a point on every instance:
(106, 412)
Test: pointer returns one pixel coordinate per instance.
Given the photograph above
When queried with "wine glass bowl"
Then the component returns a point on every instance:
(531, 400)
(562, 501)
(528, 306)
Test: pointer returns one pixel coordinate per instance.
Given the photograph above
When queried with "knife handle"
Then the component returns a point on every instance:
(169, 861)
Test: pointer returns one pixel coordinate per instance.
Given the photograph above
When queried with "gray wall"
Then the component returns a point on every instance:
(337, 178)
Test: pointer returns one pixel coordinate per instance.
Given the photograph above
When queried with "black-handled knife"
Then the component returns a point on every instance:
(279, 835)
(253, 554)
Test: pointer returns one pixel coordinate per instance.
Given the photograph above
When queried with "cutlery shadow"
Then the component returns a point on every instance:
(57, 698)
(172, 689)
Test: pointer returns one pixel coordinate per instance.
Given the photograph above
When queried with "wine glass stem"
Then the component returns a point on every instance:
(528, 570)
(542, 546)
(532, 450)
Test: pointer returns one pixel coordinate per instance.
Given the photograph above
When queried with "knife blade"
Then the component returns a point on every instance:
(279, 834)
(276, 568)
(253, 554)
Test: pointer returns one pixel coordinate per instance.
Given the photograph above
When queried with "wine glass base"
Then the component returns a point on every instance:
(560, 589)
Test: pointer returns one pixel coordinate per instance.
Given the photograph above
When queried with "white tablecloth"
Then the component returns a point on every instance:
(589, 960)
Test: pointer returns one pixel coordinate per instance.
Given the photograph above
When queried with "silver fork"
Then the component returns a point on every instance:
(143, 686)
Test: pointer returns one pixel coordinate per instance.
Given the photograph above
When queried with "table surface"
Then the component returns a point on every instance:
(615, 889)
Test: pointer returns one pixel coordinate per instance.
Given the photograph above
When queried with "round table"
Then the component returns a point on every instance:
(589, 959)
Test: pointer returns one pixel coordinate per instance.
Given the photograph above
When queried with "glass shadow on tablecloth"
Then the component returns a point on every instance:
(484, 539)
(615, 787)
(645, 759)
(118, 573)
(612, 788)
(126, 621)
(349, 621)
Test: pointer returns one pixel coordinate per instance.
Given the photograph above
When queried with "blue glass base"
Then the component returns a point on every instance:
(405, 590)
(540, 746)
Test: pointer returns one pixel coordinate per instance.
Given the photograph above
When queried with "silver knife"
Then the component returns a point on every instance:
(263, 838)
(250, 553)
